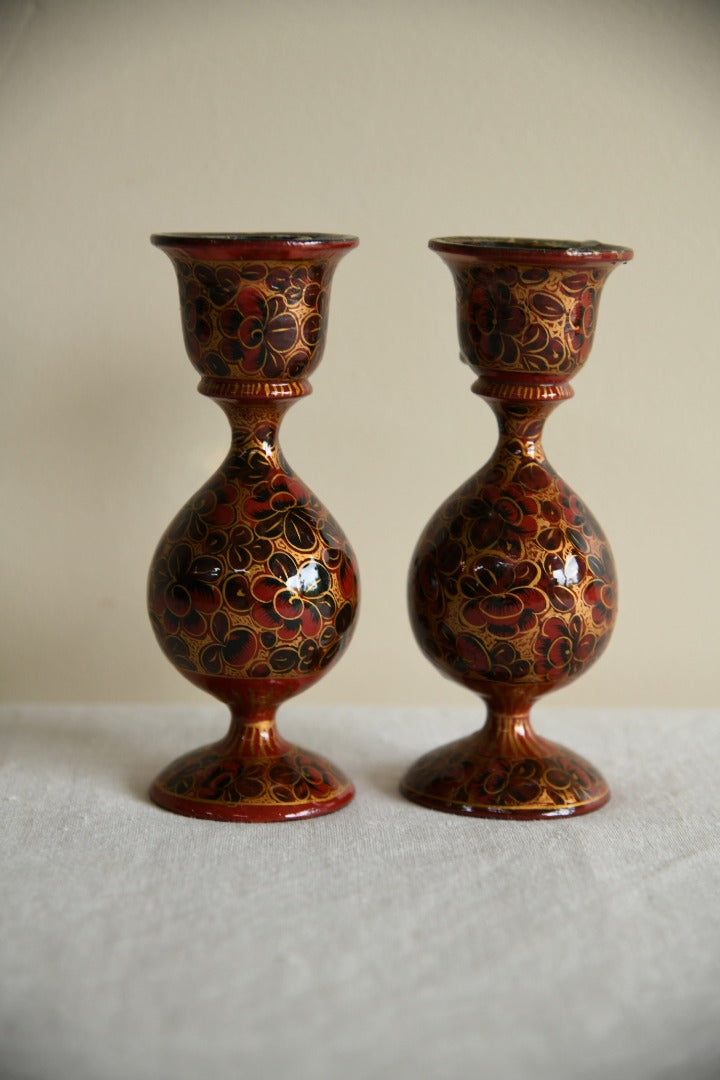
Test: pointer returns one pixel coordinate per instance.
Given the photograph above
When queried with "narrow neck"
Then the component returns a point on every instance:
(521, 427)
(254, 736)
(508, 733)
(255, 442)
(508, 725)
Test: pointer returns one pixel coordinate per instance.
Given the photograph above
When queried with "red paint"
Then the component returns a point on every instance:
(253, 589)
(512, 589)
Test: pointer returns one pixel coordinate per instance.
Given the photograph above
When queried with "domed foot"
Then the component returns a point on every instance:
(505, 774)
(256, 778)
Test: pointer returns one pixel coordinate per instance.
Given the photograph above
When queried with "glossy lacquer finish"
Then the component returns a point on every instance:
(512, 587)
(253, 589)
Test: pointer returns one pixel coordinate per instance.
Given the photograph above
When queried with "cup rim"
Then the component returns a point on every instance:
(254, 244)
(522, 249)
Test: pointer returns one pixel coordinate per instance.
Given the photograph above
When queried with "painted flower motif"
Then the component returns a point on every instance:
(212, 508)
(495, 321)
(583, 526)
(233, 646)
(562, 576)
(576, 283)
(344, 619)
(242, 782)
(532, 475)
(341, 567)
(261, 334)
(311, 656)
(250, 461)
(245, 549)
(298, 780)
(517, 782)
(548, 306)
(552, 538)
(545, 346)
(283, 660)
(196, 316)
(294, 597)
(175, 648)
(437, 572)
(541, 351)
(564, 647)
(600, 596)
(534, 275)
(213, 364)
(564, 776)
(219, 283)
(580, 324)
(184, 590)
(183, 780)
(252, 271)
(296, 284)
(283, 507)
(503, 518)
(219, 509)
(502, 597)
(236, 590)
(494, 663)
(189, 523)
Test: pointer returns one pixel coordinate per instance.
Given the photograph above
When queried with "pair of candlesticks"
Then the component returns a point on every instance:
(253, 589)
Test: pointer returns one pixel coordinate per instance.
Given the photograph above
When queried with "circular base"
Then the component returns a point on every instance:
(212, 783)
(466, 777)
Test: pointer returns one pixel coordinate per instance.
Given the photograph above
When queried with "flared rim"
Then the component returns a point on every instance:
(521, 249)
(255, 244)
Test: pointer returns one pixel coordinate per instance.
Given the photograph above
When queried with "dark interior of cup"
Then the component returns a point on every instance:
(253, 237)
(518, 245)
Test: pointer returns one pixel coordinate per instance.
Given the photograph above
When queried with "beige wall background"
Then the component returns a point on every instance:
(397, 121)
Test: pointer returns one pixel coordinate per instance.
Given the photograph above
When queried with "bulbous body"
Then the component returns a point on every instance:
(513, 582)
(253, 589)
(512, 588)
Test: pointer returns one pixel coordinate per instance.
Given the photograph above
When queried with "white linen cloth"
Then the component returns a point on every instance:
(384, 940)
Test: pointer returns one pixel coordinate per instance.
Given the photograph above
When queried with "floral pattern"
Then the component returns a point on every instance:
(254, 320)
(253, 589)
(538, 320)
(253, 579)
(512, 587)
(292, 778)
(513, 579)
(458, 777)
